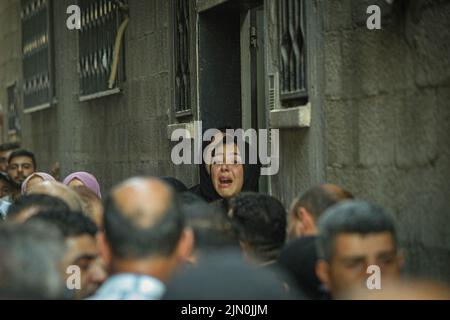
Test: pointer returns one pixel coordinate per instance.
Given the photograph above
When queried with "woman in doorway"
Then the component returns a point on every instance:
(226, 170)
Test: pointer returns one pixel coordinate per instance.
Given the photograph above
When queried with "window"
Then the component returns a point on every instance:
(13, 119)
(292, 50)
(182, 71)
(37, 57)
(101, 58)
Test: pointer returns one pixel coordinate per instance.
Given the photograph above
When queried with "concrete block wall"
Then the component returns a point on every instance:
(10, 62)
(380, 120)
(387, 114)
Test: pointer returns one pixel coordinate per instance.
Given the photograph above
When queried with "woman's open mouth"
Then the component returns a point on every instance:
(225, 182)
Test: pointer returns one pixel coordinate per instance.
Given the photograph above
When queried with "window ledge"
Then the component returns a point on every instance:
(189, 127)
(184, 113)
(41, 107)
(297, 117)
(99, 94)
(203, 5)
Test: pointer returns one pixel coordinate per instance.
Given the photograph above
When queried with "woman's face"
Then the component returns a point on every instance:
(76, 183)
(227, 171)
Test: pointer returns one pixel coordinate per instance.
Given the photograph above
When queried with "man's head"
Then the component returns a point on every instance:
(226, 276)
(28, 205)
(5, 151)
(354, 235)
(211, 226)
(90, 204)
(144, 229)
(260, 222)
(306, 210)
(29, 262)
(21, 164)
(58, 190)
(81, 248)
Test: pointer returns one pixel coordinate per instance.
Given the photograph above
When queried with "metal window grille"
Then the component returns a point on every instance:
(292, 49)
(100, 21)
(181, 55)
(36, 53)
(13, 119)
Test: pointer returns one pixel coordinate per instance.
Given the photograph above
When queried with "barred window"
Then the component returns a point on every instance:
(37, 57)
(292, 49)
(101, 58)
(182, 70)
(13, 118)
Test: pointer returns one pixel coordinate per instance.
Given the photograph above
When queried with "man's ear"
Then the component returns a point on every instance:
(323, 272)
(104, 248)
(307, 224)
(185, 245)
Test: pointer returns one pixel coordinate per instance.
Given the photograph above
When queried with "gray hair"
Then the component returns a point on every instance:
(30, 257)
(351, 217)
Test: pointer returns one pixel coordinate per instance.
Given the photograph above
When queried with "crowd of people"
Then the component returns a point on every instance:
(154, 238)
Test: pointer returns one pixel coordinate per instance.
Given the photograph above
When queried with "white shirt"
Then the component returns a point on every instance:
(130, 286)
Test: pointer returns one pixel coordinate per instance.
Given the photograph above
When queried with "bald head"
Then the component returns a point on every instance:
(142, 219)
(58, 190)
(306, 210)
(143, 201)
(318, 199)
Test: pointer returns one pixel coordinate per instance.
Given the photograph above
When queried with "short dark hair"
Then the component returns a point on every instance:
(226, 276)
(29, 259)
(9, 146)
(299, 258)
(260, 220)
(69, 223)
(351, 217)
(211, 226)
(23, 153)
(128, 240)
(318, 199)
(42, 201)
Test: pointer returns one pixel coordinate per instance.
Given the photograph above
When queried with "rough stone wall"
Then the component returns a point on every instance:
(387, 114)
(380, 123)
(10, 62)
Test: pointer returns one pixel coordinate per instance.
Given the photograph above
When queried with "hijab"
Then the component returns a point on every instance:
(252, 172)
(43, 175)
(88, 180)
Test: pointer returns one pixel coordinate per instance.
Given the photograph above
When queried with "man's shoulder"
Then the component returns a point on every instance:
(129, 286)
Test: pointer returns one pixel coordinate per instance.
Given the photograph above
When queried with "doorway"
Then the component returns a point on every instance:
(231, 55)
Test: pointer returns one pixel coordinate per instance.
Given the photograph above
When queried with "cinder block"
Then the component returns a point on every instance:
(337, 15)
(416, 142)
(340, 136)
(376, 129)
(432, 38)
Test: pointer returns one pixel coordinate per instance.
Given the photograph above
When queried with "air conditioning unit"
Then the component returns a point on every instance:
(274, 91)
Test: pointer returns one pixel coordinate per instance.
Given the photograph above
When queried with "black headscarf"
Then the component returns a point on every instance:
(176, 184)
(252, 172)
